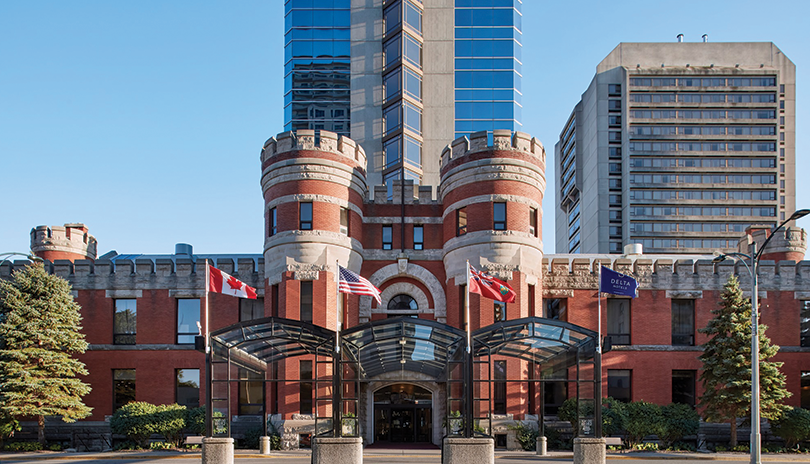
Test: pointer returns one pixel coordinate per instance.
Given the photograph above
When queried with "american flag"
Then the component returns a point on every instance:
(349, 282)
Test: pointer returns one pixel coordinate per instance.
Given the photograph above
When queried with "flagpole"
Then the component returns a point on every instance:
(209, 368)
(467, 305)
(468, 372)
(597, 364)
(337, 367)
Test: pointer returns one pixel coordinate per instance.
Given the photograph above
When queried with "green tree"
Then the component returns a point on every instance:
(793, 426)
(726, 358)
(39, 333)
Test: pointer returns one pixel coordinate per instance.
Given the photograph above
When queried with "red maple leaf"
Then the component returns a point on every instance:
(234, 283)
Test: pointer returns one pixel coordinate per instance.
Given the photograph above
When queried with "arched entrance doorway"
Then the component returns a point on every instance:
(403, 414)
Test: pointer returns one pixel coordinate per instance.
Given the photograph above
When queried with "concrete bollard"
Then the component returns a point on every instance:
(468, 451)
(542, 446)
(343, 450)
(589, 451)
(264, 445)
(217, 450)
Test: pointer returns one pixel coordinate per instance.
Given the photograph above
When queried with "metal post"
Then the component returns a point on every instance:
(597, 401)
(756, 457)
(337, 394)
(209, 393)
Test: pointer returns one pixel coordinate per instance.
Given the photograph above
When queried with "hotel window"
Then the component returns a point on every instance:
(123, 387)
(805, 388)
(683, 322)
(124, 322)
(461, 221)
(615, 89)
(418, 237)
(619, 383)
(344, 221)
(804, 318)
(187, 387)
(554, 308)
(251, 393)
(305, 308)
(499, 216)
(387, 237)
(273, 222)
(533, 221)
(531, 300)
(305, 216)
(499, 388)
(499, 309)
(188, 317)
(618, 320)
(250, 309)
(683, 387)
(305, 388)
(274, 300)
(462, 299)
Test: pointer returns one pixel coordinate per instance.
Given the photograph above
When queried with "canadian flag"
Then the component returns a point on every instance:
(220, 282)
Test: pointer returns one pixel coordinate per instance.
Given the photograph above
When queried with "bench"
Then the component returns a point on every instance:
(614, 441)
(193, 440)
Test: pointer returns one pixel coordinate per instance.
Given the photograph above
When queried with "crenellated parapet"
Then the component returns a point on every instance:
(72, 242)
(179, 274)
(789, 243)
(684, 275)
(414, 193)
(501, 140)
(305, 140)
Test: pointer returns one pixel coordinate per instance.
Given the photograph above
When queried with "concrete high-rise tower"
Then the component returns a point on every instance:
(403, 78)
(679, 147)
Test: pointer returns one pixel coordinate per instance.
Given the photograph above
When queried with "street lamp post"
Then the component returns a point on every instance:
(6, 256)
(753, 269)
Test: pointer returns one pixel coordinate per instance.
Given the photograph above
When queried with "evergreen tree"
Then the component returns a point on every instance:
(726, 358)
(39, 331)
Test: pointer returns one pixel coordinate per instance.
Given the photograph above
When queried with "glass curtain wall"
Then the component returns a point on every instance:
(488, 43)
(317, 60)
(402, 91)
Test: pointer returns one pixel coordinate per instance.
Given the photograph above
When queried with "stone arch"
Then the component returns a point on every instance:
(439, 406)
(416, 272)
(407, 288)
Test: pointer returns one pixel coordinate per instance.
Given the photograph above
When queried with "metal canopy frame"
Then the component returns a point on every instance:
(394, 345)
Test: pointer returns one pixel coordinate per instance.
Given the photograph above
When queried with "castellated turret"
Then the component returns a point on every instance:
(492, 198)
(71, 242)
(789, 243)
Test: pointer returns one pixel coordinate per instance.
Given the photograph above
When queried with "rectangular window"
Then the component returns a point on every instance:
(188, 317)
(619, 384)
(805, 387)
(387, 237)
(531, 301)
(275, 300)
(804, 320)
(499, 308)
(533, 221)
(187, 387)
(124, 322)
(499, 388)
(305, 387)
(462, 300)
(499, 216)
(305, 216)
(273, 222)
(344, 221)
(305, 309)
(683, 322)
(683, 387)
(418, 237)
(618, 320)
(251, 309)
(461, 221)
(251, 393)
(123, 387)
(554, 308)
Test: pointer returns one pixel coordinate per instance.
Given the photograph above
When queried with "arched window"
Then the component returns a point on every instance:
(404, 305)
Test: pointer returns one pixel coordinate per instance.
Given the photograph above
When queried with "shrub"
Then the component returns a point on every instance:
(161, 445)
(127, 446)
(169, 420)
(646, 446)
(136, 421)
(24, 446)
(526, 435)
(793, 426)
(678, 421)
(613, 414)
(195, 421)
(251, 440)
(643, 419)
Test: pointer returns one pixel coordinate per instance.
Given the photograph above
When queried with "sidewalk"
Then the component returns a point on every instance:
(523, 455)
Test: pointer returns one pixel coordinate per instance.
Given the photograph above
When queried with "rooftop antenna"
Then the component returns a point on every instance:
(680, 38)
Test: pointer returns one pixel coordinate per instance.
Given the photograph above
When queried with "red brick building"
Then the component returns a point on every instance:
(413, 242)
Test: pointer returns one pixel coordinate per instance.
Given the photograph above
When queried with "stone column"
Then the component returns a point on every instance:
(468, 451)
(264, 445)
(589, 451)
(343, 450)
(542, 446)
(217, 450)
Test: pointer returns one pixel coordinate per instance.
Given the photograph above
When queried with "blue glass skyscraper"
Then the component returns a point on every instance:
(403, 77)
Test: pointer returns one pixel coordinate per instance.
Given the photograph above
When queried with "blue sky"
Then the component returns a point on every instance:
(144, 120)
